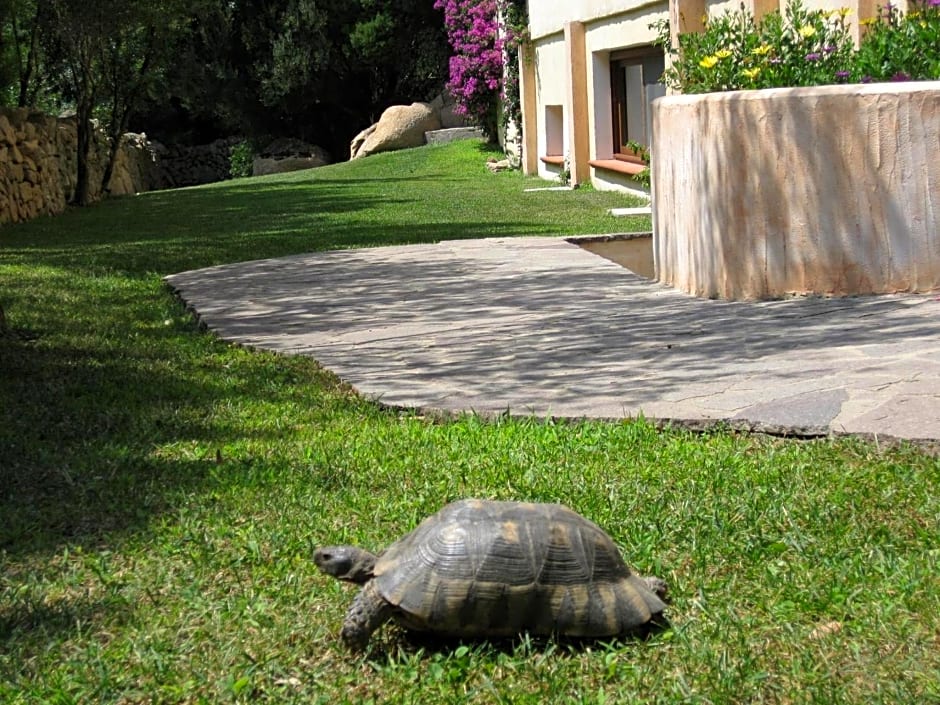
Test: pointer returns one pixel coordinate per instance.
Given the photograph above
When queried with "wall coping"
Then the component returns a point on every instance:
(802, 92)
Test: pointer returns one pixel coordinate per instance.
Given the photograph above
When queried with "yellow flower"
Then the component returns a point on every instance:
(708, 62)
(762, 50)
(807, 30)
(844, 12)
(723, 53)
(751, 73)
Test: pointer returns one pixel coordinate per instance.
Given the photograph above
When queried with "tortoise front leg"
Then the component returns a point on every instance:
(368, 612)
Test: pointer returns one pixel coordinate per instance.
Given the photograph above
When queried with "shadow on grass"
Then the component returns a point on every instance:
(71, 472)
(167, 232)
(81, 431)
(82, 409)
(400, 642)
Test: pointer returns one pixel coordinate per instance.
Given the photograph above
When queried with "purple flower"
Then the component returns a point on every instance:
(476, 68)
(814, 56)
(866, 79)
(900, 76)
(842, 76)
(934, 3)
(829, 49)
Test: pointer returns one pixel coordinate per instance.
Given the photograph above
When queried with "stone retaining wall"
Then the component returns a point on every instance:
(38, 164)
(832, 190)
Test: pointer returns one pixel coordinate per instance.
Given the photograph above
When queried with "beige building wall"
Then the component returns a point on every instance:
(580, 92)
(568, 101)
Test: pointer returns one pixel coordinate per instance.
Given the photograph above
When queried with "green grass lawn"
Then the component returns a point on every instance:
(161, 491)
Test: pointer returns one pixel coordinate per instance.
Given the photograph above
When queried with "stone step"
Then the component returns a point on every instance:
(452, 134)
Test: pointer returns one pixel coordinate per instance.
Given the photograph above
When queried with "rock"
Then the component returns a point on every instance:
(501, 165)
(38, 169)
(358, 140)
(453, 134)
(7, 133)
(447, 111)
(262, 166)
(288, 154)
(39, 164)
(285, 147)
(400, 127)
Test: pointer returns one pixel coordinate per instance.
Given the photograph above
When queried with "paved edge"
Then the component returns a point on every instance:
(796, 431)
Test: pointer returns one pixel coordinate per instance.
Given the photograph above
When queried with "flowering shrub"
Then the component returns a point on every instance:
(482, 51)
(476, 68)
(900, 47)
(799, 47)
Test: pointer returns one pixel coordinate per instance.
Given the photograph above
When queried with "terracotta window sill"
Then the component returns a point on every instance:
(617, 165)
(556, 159)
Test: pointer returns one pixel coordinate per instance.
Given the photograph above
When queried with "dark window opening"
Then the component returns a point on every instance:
(635, 75)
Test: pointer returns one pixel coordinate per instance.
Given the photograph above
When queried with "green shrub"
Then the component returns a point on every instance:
(644, 154)
(901, 47)
(240, 160)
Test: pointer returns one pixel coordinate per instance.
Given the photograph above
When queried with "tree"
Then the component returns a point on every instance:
(320, 71)
(109, 53)
(20, 50)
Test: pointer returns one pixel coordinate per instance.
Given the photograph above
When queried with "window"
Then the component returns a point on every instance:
(554, 135)
(634, 75)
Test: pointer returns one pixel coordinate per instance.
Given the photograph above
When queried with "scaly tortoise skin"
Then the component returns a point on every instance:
(480, 568)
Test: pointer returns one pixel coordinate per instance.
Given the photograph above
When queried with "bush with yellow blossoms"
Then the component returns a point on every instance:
(899, 46)
(795, 47)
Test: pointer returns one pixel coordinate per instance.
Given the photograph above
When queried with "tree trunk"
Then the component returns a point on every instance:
(85, 131)
(121, 110)
(112, 160)
(26, 74)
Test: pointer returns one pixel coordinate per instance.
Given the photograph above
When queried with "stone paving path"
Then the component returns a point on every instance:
(540, 326)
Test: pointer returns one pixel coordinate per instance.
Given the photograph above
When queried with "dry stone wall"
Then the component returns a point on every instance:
(181, 165)
(39, 164)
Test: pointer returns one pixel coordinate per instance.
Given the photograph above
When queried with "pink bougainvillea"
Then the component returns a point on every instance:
(476, 68)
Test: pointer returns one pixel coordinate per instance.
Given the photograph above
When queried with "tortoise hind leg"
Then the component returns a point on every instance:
(657, 586)
(368, 612)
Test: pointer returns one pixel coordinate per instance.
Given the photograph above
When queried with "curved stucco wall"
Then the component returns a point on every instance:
(832, 190)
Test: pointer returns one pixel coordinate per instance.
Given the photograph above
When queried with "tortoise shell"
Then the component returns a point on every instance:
(485, 568)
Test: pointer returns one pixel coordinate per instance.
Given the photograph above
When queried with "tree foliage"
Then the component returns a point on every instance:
(20, 52)
(195, 70)
(319, 70)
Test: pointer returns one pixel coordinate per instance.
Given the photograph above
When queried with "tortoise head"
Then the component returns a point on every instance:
(349, 563)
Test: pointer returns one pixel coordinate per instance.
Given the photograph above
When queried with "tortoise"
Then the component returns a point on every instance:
(488, 569)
